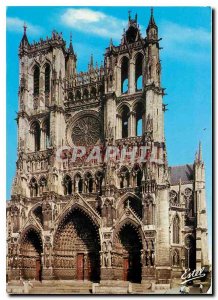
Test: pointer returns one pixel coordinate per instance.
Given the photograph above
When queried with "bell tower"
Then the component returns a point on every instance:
(41, 77)
(135, 111)
(133, 73)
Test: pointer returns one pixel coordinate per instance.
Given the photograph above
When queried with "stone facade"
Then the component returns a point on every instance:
(140, 222)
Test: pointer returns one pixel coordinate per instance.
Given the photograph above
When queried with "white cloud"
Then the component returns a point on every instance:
(185, 42)
(93, 22)
(181, 34)
(16, 25)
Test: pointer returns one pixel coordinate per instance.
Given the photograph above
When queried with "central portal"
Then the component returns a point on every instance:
(77, 248)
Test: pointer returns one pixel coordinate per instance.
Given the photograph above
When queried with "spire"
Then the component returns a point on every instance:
(24, 42)
(129, 13)
(91, 61)
(152, 23)
(96, 65)
(130, 20)
(91, 64)
(111, 42)
(70, 49)
(200, 152)
(24, 28)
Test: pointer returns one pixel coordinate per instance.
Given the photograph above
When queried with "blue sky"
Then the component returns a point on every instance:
(186, 68)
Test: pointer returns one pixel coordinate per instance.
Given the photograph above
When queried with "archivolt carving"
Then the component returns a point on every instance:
(78, 202)
(132, 221)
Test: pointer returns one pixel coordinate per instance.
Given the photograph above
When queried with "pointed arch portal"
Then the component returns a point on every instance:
(31, 254)
(127, 254)
(76, 248)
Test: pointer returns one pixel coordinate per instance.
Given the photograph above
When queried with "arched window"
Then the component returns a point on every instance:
(99, 179)
(70, 96)
(36, 81)
(37, 135)
(93, 92)
(67, 185)
(33, 187)
(101, 89)
(46, 131)
(47, 78)
(138, 72)
(85, 94)
(125, 121)
(139, 114)
(139, 178)
(42, 185)
(174, 199)
(124, 177)
(78, 184)
(137, 175)
(89, 183)
(78, 95)
(124, 75)
(176, 230)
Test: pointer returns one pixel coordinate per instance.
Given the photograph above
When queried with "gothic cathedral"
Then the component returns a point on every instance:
(87, 219)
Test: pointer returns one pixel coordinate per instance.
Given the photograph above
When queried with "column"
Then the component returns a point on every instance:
(118, 81)
(131, 77)
(163, 269)
(132, 123)
(119, 127)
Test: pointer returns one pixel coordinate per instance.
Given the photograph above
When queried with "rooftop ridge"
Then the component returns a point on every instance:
(181, 165)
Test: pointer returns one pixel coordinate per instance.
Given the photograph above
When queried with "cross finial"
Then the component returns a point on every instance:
(71, 36)
(152, 11)
(24, 27)
(91, 60)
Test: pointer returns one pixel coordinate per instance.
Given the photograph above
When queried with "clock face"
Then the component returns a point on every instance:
(85, 131)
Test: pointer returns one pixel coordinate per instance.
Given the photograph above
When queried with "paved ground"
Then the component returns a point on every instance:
(193, 291)
(82, 288)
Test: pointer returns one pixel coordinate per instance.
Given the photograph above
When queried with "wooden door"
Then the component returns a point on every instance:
(80, 266)
(38, 269)
(125, 268)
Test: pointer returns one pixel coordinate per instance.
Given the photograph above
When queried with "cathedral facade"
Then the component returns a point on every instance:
(91, 219)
